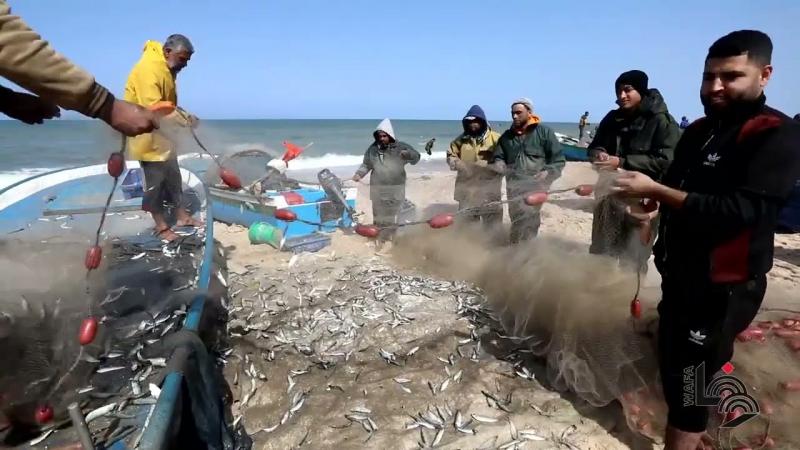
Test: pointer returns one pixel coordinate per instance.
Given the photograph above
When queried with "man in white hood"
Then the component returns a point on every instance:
(386, 158)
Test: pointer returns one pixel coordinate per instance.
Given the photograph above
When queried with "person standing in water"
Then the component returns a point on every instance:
(469, 155)
(429, 146)
(640, 135)
(386, 159)
(582, 124)
(720, 198)
(152, 80)
(530, 157)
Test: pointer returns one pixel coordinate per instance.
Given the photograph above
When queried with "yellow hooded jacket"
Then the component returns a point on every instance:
(149, 82)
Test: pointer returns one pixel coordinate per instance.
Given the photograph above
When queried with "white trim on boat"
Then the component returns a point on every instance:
(38, 183)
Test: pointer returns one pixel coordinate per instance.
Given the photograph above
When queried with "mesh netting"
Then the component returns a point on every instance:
(572, 308)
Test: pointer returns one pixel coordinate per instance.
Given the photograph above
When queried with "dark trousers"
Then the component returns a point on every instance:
(698, 323)
(163, 185)
(525, 221)
(384, 213)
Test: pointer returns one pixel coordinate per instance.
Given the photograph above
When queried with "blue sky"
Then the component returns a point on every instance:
(418, 59)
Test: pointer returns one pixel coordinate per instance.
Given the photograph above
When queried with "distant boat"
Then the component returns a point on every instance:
(572, 149)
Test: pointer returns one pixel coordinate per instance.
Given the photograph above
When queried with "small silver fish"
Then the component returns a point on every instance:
(412, 351)
(484, 419)
(269, 429)
(530, 435)
(291, 383)
(109, 369)
(297, 405)
(140, 255)
(42, 437)
(100, 412)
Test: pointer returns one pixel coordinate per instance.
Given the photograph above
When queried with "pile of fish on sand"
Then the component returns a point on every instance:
(345, 353)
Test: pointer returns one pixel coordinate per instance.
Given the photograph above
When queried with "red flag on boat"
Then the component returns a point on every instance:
(292, 151)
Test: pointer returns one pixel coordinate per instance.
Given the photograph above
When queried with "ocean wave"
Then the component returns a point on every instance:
(339, 160)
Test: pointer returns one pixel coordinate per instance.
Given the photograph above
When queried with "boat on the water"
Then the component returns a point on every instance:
(142, 377)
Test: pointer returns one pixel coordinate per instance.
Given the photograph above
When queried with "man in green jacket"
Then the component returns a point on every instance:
(641, 136)
(530, 157)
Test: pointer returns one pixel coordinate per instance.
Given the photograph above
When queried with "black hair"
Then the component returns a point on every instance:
(755, 44)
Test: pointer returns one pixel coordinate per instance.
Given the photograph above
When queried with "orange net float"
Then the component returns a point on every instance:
(584, 190)
(87, 331)
(116, 164)
(636, 308)
(230, 178)
(43, 414)
(368, 231)
(285, 214)
(162, 108)
(93, 257)
(535, 198)
(441, 220)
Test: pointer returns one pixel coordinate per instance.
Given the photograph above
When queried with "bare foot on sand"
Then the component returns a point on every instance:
(166, 234)
(190, 222)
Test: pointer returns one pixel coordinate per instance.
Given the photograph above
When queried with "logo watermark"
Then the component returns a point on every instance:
(726, 392)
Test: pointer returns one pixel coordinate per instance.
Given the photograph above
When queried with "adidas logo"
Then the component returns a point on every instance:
(711, 160)
(697, 337)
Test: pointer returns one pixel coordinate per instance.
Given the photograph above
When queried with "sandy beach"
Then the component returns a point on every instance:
(345, 349)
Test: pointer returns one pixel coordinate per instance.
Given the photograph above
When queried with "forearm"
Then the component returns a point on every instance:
(739, 207)
(29, 61)
(666, 195)
(363, 170)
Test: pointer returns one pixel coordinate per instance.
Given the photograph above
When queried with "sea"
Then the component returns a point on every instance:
(27, 150)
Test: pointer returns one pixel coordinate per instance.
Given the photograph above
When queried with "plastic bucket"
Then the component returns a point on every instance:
(264, 233)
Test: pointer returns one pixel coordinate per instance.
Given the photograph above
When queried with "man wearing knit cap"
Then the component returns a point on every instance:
(530, 157)
(640, 135)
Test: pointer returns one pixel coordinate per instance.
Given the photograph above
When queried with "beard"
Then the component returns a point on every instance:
(732, 103)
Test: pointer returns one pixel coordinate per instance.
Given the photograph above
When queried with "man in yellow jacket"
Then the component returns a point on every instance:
(152, 80)
(476, 184)
(29, 61)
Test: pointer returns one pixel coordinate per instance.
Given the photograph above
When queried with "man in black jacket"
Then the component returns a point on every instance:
(732, 173)
(639, 135)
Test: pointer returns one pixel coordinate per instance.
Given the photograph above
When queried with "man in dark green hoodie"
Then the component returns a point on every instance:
(530, 157)
(639, 136)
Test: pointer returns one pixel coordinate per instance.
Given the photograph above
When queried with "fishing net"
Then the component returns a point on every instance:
(572, 309)
(140, 294)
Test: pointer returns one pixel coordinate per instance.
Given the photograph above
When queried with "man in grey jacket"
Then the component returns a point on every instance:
(386, 158)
